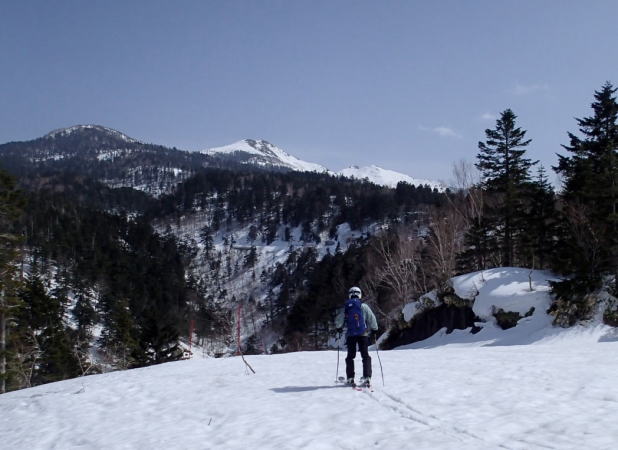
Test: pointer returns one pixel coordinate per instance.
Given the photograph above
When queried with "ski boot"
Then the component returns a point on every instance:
(350, 382)
(365, 382)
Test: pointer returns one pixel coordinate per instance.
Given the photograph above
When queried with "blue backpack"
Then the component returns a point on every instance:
(354, 317)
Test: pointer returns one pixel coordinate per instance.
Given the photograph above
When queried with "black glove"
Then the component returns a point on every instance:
(339, 330)
(374, 334)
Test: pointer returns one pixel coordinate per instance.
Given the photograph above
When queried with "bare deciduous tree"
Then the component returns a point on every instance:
(396, 265)
(27, 358)
(468, 200)
(82, 355)
(445, 242)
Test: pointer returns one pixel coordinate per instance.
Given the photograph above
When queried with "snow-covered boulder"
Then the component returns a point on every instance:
(507, 289)
(480, 306)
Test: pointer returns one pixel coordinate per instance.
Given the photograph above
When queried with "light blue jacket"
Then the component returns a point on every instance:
(371, 323)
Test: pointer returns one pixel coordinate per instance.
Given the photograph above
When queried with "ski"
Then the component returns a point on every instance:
(363, 388)
(364, 385)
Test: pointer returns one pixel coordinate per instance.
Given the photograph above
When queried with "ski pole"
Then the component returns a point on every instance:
(338, 348)
(375, 342)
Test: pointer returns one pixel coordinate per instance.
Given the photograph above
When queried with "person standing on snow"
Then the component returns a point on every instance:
(359, 321)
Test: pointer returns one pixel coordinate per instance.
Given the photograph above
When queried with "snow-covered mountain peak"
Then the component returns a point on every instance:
(62, 132)
(257, 147)
(262, 153)
(386, 177)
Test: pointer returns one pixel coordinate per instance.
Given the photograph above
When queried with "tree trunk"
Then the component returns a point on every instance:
(614, 243)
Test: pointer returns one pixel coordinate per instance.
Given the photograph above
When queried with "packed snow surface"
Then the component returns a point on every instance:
(560, 393)
(386, 177)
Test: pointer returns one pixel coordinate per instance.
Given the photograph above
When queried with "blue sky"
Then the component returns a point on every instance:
(407, 85)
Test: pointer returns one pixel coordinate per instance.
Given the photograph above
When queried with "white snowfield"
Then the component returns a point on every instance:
(559, 394)
(386, 177)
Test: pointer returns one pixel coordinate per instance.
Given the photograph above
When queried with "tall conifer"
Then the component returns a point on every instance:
(590, 172)
(538, 243)
(505, 175)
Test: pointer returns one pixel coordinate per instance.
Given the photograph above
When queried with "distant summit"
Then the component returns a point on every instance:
(385, 177)
(103, 154)
(264, 154)
(89, 129)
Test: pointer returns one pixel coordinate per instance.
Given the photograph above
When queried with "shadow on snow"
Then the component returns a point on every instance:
(291, 389)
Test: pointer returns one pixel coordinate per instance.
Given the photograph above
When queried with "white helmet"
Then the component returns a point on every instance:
(355, 292)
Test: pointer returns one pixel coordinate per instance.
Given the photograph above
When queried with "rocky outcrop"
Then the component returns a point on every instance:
(428, 322)
(447, 311)
(509, 319)
(569, 311)
(610, 315)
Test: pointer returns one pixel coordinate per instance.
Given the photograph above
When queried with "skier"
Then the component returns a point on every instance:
(360, 322)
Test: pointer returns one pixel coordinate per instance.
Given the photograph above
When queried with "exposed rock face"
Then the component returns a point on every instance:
(509, 319)
(611, 317)
(426, 323)
(568, 312)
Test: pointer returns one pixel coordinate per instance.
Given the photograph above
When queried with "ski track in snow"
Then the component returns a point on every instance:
(560, 395)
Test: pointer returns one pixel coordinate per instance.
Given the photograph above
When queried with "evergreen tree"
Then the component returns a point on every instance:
(506, 175)
(206, 239)
(58, 356)
(11, 203)
(479, 241)
(253, 233)
(251, 257)
(590, 174)
(84, 315)
(120, 334)
(42, 316)
(538, 242)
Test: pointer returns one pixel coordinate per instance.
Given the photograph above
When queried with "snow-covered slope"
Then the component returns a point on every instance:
(234, 245)
(263, 153)
(386, 177)
(560, 395)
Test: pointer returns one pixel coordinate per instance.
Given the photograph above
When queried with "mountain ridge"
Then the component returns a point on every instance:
(105, 144)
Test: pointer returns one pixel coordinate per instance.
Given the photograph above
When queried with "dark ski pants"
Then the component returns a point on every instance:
(363, 344)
